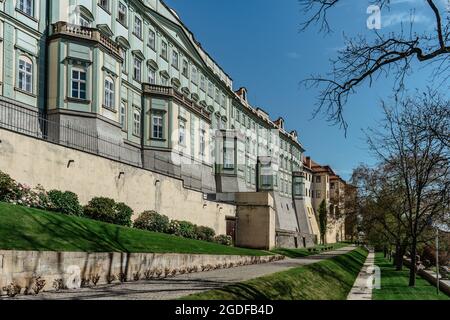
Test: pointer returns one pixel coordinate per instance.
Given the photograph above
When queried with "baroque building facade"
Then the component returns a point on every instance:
(131, 75)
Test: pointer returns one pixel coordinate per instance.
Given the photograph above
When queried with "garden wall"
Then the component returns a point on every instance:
(32, 161)
(72, 267)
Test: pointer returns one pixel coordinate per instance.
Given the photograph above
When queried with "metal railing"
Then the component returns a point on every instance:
(29, 122)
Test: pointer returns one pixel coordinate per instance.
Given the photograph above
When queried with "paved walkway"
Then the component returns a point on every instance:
(180, 286)
(362, 289)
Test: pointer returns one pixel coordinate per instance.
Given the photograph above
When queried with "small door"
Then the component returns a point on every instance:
(231, 229)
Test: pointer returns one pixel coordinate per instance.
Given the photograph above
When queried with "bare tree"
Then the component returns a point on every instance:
(363, 60)
(419, 160)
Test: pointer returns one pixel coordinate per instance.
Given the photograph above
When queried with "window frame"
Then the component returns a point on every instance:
(79, 81)
(136, 32)
(20, 6)
(151, 44)
(109, 93)
(135, 60)
(25, 80)
(158, 127)
(124, 23)
(137, 121)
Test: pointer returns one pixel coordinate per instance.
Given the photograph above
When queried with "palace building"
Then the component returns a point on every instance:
(128, 81)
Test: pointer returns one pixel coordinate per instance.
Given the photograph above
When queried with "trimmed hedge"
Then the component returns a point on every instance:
(152, 221)
(107, 210)
(65, 202)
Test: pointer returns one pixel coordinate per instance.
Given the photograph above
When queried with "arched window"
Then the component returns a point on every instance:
(109, 93)
(81, 16)
(25, 80)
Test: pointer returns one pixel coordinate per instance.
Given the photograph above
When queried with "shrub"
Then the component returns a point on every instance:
(107, 210)
(101, 209)
(123, 215)
(152, 221)
(8, 187)
(224, 240)
(65, 202)
(205, 233)
(187, 230)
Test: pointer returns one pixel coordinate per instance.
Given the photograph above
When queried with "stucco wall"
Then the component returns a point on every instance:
(34, 162)
(257, 222)
(72, 267)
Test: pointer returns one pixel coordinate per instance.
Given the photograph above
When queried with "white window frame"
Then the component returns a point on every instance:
(25, 80)
(137, 69)
(151, 75)
(157, 126)
(109, 92)
(80, 82)
(152, 39)
(137, 27)
(136, 122)
(123, 115)
(122, 10)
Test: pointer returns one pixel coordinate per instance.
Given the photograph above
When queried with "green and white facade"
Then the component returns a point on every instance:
(131, 72)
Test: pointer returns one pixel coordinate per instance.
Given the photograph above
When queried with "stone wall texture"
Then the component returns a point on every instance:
(33, 161)
(71, 267)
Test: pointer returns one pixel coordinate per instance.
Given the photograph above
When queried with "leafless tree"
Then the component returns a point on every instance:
(363, 60)
(419, 160)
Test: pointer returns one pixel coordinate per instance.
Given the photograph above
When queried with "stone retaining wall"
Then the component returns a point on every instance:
(71, 268)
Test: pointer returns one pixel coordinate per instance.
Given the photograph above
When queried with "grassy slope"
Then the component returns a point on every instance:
(30, 229)
(394, 284)
(330, 279)
(299, 253)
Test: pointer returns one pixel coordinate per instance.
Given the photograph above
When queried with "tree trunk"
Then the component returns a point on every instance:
(399, 259)
(413, 268)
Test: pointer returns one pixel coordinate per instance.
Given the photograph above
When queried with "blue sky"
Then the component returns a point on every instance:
(258, 43)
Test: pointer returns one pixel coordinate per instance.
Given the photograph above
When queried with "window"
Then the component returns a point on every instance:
(122, 14)
(164, 81)
(203, 83)
(217, 99)
(164, 54)
(79, 84)
(194, 75)
(123, 115)
(138, 27)
(104, 4)
(136, 123)
(175, 59)
(185, 70)
(109, 93)
(332, 186)
(319, 179)
(26, 6)
(223, 102)
(157, 122)
(182, 133)
(137, 74)
(152, 39)
(151, 76)
(228, 154)
(318, 194)
(123, 54)
(210, 89)
(202, 142)
(26, 75)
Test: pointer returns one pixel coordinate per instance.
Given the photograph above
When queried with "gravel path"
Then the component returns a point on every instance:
(180, 286)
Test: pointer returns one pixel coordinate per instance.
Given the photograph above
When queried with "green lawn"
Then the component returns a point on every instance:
(394, 284)
(30, 229)
(330, 279)
(299, 253)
